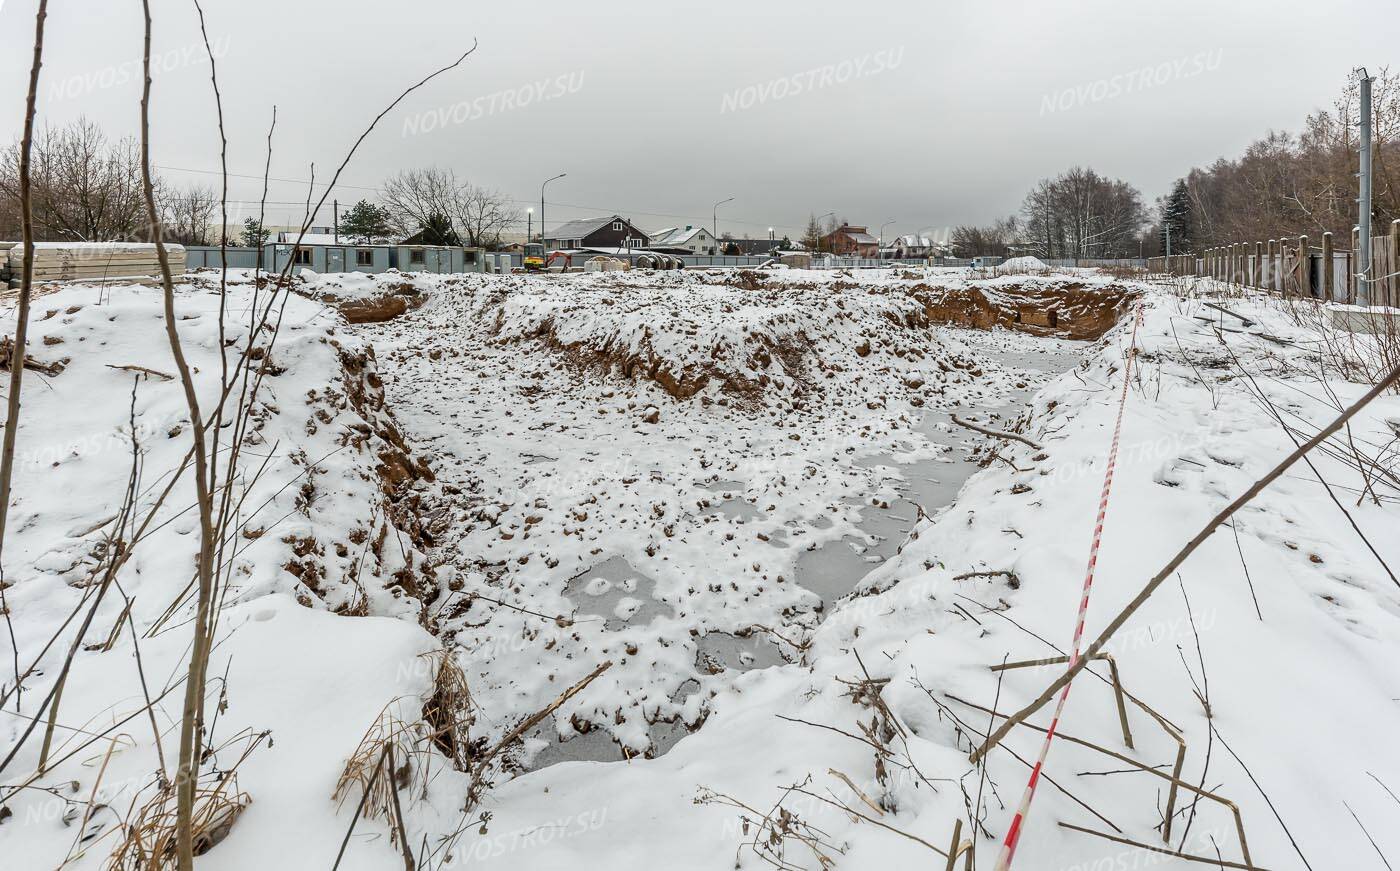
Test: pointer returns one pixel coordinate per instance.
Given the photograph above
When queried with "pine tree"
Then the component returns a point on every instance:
(438, 230)
(366, 222)
(253, 235)
(1176, 218)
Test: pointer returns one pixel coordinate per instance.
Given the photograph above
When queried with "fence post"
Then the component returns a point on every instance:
(1352, 265)
(1272, 273)
(1393, 265)
(1327, 279)
(1304, 272)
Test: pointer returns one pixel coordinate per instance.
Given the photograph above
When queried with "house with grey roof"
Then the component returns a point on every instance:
(912, 246)
(684, 240)
(613, 232)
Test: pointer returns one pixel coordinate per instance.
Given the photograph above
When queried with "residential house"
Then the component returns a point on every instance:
(752, 247)
(912, 247)
(612, 232)
(847, 239)
(684, 240)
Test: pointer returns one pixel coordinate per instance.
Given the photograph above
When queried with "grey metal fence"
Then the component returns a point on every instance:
(201, 257)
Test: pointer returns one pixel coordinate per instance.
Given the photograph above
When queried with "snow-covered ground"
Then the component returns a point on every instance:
(685, 474)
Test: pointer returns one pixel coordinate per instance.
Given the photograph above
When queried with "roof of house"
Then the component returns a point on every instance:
(584, 226)
(913, 241)
(675, 235)
(855, 234)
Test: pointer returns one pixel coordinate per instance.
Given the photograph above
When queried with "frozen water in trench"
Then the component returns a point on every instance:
(616, 592)
(834, 569)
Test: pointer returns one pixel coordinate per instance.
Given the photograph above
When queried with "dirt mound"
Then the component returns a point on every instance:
(383, 303)
(1068, 310)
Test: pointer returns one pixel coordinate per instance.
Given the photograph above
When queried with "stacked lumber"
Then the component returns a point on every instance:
(94, 261)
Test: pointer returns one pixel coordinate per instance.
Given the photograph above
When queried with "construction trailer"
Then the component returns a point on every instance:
(347, 257)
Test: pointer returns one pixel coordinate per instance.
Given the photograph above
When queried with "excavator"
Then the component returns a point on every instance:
(536, 261)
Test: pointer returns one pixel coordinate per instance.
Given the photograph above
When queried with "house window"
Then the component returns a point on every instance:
(303, 256)
(364, 257)
(617, 225)
(415, 257)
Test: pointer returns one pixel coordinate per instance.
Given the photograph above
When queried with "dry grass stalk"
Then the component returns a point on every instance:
(361, 775)
(449, 712)
(772, 834)
(150, 841)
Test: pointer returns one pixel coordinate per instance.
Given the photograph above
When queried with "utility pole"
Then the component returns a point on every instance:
(1363, 280)
(335, 212)
(1168, 227)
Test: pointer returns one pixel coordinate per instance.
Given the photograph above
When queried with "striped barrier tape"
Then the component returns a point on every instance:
(1013, 834)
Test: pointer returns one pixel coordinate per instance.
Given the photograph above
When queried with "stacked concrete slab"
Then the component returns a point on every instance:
(93, 261)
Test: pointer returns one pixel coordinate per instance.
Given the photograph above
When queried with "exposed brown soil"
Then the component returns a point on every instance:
(394, 301)
(407, 518)
(1067, 310)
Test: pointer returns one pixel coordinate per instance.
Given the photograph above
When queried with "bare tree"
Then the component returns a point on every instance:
(484, 215)
(189, 213)
(1080, 213)
(84, 186)
(416, 198)
(994, 239)
(7, 451)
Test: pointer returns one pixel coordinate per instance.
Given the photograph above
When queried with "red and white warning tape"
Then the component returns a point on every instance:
(1013, 834)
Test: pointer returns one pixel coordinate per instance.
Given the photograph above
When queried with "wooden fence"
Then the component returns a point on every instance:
(1294, 267)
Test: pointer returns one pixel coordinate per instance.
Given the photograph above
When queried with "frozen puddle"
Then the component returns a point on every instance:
(616, 592)
(833, 570)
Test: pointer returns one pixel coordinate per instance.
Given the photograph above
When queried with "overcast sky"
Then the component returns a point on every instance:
(931, 114)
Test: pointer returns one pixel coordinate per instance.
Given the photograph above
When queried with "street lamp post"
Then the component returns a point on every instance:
(880, 240)
(546, 181)
(821, 218)
(714, 220)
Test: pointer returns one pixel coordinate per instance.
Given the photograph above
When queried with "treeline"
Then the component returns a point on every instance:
(1284, 184)
(1287, 184)
(1077, 214)
(86, 187)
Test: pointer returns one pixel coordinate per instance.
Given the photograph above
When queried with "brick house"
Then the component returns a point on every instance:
(847, 239)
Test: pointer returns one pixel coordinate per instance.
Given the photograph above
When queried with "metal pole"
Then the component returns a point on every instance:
(529, 225)
(1363, 280)
(546, 181)
(335, 206)
(1168, 227)
(880, 241)
(714, 220)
